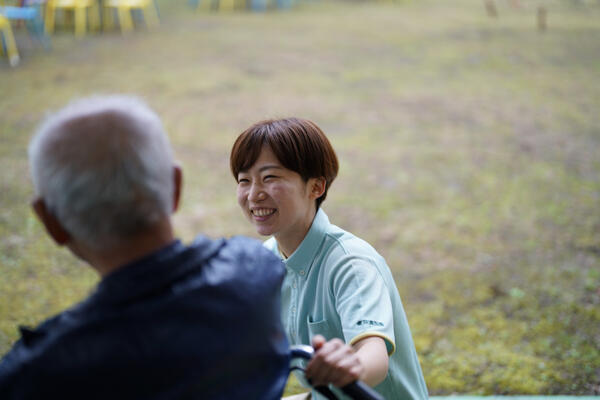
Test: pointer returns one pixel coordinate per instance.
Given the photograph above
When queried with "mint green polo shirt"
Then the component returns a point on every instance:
(338, 286)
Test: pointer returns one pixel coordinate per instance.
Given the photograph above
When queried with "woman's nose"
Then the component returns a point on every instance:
(256, 193)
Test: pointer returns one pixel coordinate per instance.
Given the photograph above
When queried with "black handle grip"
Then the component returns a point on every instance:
(359, 390)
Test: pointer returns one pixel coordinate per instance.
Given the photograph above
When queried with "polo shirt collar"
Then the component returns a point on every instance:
(301, 260)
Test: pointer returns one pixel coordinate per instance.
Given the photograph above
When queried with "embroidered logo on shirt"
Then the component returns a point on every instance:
(369, 322)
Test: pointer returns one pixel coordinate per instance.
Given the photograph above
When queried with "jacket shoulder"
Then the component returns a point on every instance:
(252, 257)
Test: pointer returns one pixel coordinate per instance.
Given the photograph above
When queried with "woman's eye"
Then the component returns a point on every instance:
(269, 177)
(243, 180)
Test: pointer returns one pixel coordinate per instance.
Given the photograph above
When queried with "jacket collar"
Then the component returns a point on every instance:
(154, 271)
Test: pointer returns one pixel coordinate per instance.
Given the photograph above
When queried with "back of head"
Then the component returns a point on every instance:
(104, 167)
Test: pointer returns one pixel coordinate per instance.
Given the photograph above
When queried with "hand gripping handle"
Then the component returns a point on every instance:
(358, 390)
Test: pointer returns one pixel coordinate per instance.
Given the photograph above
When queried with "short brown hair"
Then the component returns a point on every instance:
(299, 145)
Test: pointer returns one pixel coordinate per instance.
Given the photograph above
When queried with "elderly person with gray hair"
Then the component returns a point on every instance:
(167, 320)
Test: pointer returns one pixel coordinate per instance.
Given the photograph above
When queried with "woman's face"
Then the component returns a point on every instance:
(276, 200)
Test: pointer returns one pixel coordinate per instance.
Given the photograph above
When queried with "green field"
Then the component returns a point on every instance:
(469, 150)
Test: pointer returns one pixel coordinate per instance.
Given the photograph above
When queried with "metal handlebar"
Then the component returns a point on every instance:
(358, 390)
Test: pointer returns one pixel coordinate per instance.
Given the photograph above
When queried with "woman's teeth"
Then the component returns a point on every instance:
(263, 212)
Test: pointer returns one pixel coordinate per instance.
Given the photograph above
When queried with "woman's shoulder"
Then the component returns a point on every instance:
(344, 242)
(346, 249)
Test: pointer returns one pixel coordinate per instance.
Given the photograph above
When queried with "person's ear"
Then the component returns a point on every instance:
(177, 185)
(52, 225)
(317, 187)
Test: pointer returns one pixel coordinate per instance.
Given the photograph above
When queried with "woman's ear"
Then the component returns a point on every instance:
(317, 187)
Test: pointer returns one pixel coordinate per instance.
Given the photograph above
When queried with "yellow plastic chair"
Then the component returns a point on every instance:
(220, 5)
(81, 9)
(124, 9)
(9, 40)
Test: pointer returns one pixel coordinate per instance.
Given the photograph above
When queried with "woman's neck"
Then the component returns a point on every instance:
(289, 241)
(288, 245)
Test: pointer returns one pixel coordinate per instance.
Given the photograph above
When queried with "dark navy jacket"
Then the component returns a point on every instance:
(187, 322)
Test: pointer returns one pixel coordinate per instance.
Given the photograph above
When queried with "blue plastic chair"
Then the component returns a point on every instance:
(33, 20)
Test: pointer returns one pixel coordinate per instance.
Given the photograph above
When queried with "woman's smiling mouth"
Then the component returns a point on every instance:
(262, 212)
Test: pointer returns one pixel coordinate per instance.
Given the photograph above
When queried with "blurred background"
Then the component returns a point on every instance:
(468, 134)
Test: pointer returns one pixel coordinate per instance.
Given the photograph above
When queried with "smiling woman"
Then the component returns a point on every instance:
(282, 178)
(338, 292)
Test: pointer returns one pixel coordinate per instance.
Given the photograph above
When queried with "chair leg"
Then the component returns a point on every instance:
(49, 23)
(11, 46)
(94, 17)
(204, 5)
(226, 5)
(125, 20)
(80, 21)
(37, 27)
(150, 15)
(108, 20)
(3, 23)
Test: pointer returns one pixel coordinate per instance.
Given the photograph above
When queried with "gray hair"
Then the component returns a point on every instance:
(104, 167)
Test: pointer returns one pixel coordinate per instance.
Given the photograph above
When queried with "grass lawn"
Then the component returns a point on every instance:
(469, 150)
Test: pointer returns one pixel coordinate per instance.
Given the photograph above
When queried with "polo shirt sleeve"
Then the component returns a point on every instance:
(363, 302)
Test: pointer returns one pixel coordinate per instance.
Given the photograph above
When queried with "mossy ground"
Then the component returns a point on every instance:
(469, 151)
